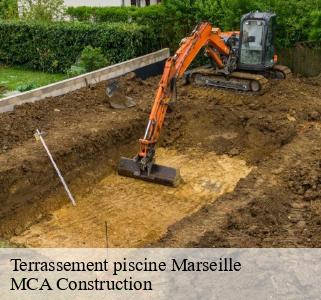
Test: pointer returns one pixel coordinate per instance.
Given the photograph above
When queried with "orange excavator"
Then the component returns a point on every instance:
(228, 53)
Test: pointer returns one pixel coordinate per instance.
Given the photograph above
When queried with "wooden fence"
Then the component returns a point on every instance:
(304, 58)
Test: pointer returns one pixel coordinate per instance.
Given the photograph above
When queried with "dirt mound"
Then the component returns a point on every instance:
(18, 126)
(305, 180)
(240, 124)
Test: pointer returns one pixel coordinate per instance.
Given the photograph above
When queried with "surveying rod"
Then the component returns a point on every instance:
(38, 134)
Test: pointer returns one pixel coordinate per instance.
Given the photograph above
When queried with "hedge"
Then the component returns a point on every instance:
(144, 15)
(298, 20)
(100, 14)
(54, 47)
(154, 16)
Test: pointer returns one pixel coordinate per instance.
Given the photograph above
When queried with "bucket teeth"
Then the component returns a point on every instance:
(159, 174)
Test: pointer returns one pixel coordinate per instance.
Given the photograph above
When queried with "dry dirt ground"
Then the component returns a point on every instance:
(251, 167)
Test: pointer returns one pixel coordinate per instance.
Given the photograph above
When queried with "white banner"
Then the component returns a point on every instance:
(160, 274)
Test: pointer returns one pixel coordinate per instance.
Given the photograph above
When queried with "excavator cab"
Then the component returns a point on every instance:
(256, 45)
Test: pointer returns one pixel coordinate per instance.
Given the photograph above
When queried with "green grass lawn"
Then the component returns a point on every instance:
(13, 78)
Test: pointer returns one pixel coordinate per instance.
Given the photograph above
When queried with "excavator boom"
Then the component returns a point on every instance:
(143, 165)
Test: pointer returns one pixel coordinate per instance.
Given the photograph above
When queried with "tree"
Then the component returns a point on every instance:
(297, 20)
(234, 9)
(43, 10)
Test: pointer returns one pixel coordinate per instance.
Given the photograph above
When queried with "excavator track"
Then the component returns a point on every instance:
(243, 82)
(238, 81)
(281, 72)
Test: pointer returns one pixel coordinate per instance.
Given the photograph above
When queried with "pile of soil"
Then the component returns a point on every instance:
(305, 180)
(18, 126)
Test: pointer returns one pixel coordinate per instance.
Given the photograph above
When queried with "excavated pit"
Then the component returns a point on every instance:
(250, 164)
(137, 212)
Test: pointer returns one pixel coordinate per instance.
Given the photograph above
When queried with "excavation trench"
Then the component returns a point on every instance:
(137, 213)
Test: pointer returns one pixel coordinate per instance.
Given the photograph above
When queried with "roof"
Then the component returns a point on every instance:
(258, 15)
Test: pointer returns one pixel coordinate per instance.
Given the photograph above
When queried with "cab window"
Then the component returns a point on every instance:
(252, 42)
(270, 43)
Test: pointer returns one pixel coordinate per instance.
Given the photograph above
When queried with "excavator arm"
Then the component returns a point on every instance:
(203, 35)
(143, 166)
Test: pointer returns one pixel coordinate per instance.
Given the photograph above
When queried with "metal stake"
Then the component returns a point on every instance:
(38, 134)
(106, 233)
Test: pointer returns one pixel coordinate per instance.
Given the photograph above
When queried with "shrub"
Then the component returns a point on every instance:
(113, 14)
(100, 14)
(80, 13)
(154, 16)
(55, 46)
(27, 87)
(90, 59)
(39, 10)
(75, 71)
(295, 22)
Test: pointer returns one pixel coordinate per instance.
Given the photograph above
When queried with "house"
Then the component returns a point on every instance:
(139, 3)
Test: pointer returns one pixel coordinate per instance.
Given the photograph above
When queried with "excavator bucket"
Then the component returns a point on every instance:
(116, 98)
(159, 174)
